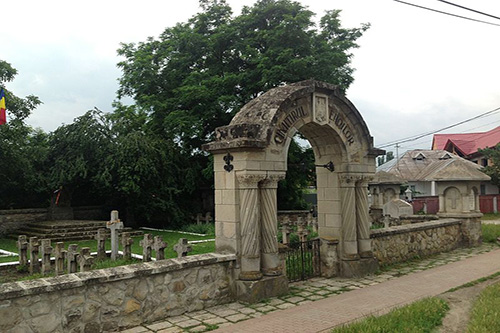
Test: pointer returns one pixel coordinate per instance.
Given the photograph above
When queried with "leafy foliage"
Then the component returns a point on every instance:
(493, 169)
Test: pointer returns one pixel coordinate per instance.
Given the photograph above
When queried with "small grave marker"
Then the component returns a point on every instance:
(146, 244)
(46, 251)
(114, 225)
(159, 247)
(101, 243)
(60, 256)
(127, 242)
(34, 248)
(22, 249)
(182, 247)
(85, 259)
(72, 256)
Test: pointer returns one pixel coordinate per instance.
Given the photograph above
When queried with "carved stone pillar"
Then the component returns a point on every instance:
(465, 203)
(349, 232)
(250, 226)
(441, 203)
(271, 263)
(363, 219)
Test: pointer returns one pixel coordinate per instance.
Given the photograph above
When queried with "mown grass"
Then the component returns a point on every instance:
(422, 316)
(491, 216)
(485, 314)
(490, 232)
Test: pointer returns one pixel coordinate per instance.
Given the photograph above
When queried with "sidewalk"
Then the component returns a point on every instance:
(319, 304)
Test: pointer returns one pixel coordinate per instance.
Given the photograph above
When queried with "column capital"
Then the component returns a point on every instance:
(347, 180)
(271, 180)
(249, 180)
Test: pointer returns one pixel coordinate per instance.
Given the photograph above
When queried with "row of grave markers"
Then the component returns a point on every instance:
(43, 248)
(302, 231)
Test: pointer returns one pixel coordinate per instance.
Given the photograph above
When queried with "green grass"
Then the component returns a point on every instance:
(485, 314)
(491, 216)
(170, 237)
(422, 316)
(490, 232)
(473, 283)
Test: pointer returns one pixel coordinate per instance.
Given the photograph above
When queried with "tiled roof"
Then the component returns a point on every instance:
(437, 165)
(467, 143)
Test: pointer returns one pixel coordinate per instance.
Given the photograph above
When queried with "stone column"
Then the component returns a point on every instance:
(349, 232)
(250, 226)
(465, 203)
(363, 219)
(271, 263)
(441, 203)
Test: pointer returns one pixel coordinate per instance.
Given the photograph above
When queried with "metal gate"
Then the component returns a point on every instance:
(303, 260)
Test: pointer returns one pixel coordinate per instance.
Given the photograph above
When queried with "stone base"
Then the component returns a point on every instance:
(255, 291)
(358, 268)
(61, 213)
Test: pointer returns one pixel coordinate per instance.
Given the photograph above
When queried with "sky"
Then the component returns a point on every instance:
(416, 71)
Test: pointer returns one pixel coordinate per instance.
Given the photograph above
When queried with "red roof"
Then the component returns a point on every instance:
(467, 143)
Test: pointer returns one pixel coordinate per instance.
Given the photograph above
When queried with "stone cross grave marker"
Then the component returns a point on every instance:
(72, 256)
(60, 256)
(85, 259)
(302, 231)
(208, 217)
(286, 229)
(127, 242)
(22, 248)
(198, 218)
(146, 244)
(45, 252)
(182, 247)
(312, 222)
(159, 247)
(101, 243)
(34, 247)
(114, 225)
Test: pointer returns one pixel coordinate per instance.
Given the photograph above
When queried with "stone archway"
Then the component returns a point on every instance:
(250, 156)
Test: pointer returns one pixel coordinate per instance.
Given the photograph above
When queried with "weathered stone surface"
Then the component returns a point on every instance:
(116, 298)
(255, 291)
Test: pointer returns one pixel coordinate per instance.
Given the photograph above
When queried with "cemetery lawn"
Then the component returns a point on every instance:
(490, 232)
(422, 316)
(170, 237)
(491, 216)
(486, 311)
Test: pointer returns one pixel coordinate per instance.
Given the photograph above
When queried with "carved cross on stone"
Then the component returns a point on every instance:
(127, 242)
(302, 230)
(114, 225)
(286, 229)
(72, 256)
(85, 259)
(60, 255)
(454, 197)
(45, 252)
(33, 248)
(159, 247)
(312, 222)
(182, 247)
(101, 243)
(146, 244)
(22, 248)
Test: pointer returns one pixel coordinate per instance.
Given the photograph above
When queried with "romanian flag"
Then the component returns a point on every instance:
(3, 116)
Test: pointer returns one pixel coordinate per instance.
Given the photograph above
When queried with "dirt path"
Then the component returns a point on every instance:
(460, 302)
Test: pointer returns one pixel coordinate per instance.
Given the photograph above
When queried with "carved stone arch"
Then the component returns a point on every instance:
(254, 147)
(453, 200)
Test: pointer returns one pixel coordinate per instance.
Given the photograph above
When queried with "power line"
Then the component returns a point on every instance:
(446, 13)
(419, 136)
(470, 9)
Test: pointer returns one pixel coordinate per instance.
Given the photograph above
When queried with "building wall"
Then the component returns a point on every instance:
(116, 298)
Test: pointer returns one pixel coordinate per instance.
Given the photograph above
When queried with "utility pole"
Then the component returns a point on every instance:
(397, 156)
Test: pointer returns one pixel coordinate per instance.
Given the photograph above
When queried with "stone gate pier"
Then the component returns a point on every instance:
(250, 157)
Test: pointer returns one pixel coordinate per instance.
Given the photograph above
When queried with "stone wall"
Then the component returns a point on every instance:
(116, 298)
(13, 219)
(96, 213)
(400, 243)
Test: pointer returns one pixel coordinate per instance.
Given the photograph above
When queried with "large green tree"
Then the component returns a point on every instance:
(196, 75)
(22, 150)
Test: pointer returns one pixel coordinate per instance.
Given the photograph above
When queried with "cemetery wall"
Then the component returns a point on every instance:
(115, 298)
(13, 219)
(403, 242)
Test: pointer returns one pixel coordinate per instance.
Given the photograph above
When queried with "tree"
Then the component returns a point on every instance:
(22, 150)
(198, 74)
(385, 158)
(493, 169)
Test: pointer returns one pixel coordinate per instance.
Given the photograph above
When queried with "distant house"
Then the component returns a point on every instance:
(423, 169)
(467, 145)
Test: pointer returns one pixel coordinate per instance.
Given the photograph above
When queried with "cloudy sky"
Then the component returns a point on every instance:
(416, 70)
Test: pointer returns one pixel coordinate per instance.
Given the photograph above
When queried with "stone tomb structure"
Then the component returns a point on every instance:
(250, 157)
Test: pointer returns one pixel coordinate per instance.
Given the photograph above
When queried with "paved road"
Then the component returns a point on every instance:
(339, 309)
